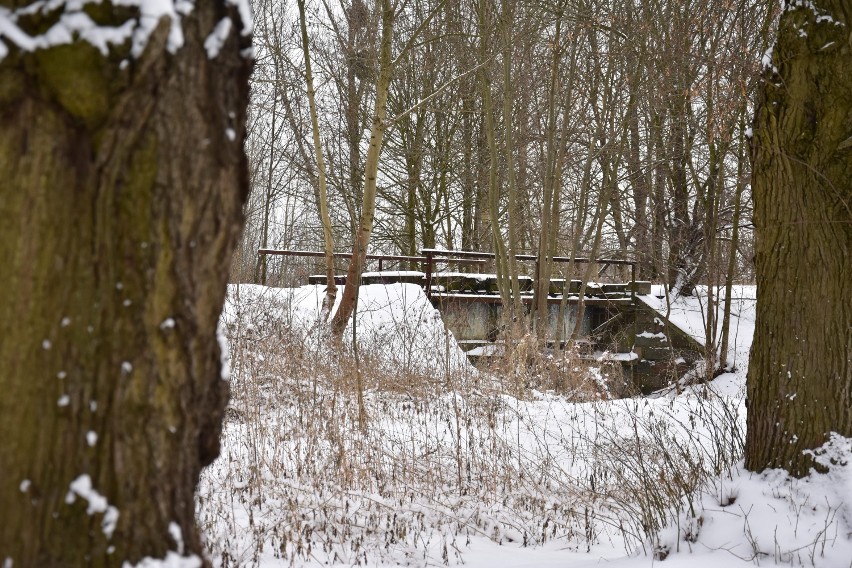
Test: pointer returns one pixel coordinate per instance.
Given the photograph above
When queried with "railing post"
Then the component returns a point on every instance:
(633, 282)
(428, 274)
(633, 308)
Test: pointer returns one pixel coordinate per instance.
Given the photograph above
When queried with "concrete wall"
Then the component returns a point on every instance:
(480, 320)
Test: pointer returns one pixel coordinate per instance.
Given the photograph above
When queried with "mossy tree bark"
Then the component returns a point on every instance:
(123, 185)
(800, 377)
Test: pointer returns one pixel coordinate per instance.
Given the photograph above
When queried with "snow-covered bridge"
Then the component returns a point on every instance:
(620, 320)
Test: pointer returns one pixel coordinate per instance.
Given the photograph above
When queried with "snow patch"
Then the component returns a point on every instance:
(225, 351)
(172, 560)
(177, 535)
(398, 274)
(649, 335)
(688, 313)
(217, 38)
(246, 18)
(766, 60)
(773, 516)
(82, 487)
(395, 322)
(110, 520)
(97, 503)
(75, 23)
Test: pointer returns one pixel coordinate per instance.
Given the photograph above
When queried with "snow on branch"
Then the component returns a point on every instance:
(75, 24)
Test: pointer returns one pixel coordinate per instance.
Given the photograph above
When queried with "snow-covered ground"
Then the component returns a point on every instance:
(449, 465)
(395, 322)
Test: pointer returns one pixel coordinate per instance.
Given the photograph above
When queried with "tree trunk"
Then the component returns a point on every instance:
(468, 177)
(607, 189)
(550, 199)
(413, 167)
(658, 199)
(500, 260)
(506, 19)
(800, 377)
(371, 168)
(681, 246)
(353, 124)
(260, 272)
(325, 219)
(732, 260)
(122, 199)
(580, 215)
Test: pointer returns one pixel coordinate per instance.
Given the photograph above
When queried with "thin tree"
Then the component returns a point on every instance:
(328, 238)
(550, 200)
(371, 167)
(507, 17)
(501, 262)
(732, 260)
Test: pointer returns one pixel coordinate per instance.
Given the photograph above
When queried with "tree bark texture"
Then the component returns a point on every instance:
(121, 203)
(800, 377)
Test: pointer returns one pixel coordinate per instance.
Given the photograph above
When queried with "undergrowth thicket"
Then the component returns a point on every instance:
(533, 449)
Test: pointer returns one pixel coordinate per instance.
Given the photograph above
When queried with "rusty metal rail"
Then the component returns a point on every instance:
(380, 257)
(431, 256)
(439, 253)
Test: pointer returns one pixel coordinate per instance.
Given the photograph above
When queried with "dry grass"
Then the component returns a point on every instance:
(445, 456)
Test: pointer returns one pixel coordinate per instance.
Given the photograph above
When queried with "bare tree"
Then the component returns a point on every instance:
(328, 238)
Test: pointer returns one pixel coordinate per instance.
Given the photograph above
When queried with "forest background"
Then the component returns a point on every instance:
(599, 129)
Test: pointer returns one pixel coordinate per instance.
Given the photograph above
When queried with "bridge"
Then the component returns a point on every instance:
(616, 325)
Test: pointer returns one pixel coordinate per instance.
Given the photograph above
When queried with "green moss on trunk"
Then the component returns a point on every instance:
(121, 205)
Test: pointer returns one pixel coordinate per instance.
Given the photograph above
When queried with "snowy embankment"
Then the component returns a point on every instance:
(396, 323)
(689, 313)
(444, 466)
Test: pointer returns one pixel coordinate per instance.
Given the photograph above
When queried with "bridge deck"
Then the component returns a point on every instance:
(571, 299)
